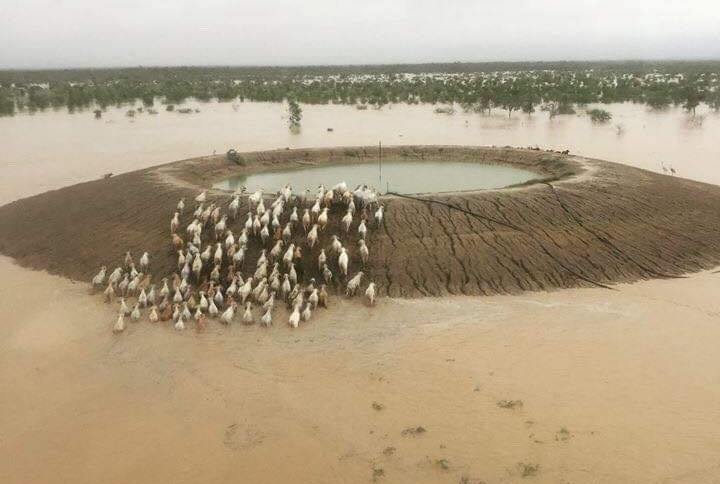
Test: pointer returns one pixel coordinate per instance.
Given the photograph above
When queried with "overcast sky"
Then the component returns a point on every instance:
(87, 33)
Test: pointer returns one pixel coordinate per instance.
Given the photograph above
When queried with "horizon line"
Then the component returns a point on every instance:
(346, 65)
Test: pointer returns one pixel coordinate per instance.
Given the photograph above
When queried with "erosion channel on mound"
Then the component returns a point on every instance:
(581, 222)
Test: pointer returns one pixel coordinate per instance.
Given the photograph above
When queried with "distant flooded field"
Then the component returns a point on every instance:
(584, 385)
(87, 148)
(398, 176)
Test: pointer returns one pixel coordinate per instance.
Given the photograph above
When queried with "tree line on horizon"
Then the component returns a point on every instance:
(556, 90)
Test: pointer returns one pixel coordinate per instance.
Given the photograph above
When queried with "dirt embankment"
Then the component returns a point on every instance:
(582, 223)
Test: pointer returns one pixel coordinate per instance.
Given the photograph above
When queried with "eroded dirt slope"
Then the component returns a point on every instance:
(588, 223)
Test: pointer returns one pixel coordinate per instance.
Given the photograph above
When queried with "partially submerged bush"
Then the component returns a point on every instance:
(294, 114)
(233, 156)
(413, 431)
(563, 434)
(511, 404)
(528, 470)
(444, 110)
(558, 108)
(599, 115)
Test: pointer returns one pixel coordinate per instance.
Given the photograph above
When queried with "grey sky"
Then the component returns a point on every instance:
(85, 33)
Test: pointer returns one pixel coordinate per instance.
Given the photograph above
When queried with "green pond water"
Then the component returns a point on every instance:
(399, 176)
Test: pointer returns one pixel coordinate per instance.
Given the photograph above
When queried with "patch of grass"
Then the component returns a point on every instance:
(377, 406)
(563, 434)
(350, 153)
(413, 431)
(468, 480)
(527, 183)
(528, 470)
(444, 464)
(510, 404)
(389, 450)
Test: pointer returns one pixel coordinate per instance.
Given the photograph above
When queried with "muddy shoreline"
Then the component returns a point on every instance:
(582, 223)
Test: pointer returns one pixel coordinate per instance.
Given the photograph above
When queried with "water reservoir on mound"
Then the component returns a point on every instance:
(399, 176)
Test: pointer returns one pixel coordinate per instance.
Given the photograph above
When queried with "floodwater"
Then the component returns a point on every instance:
(615, 386)
(425, 176)
(80, 148)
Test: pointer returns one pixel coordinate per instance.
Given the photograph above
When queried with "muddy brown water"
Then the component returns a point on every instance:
(616, 386)
(51, 149)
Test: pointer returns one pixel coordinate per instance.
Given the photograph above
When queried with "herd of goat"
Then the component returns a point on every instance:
(215, 277)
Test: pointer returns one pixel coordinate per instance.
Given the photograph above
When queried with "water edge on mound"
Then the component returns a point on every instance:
(398, 176)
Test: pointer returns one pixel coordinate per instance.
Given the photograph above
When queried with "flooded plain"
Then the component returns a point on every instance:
(585, 385)
(79, 147)
(400, 177)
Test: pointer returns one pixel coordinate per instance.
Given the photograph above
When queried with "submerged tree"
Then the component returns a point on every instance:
(691, 100)
(558, 108)
(510, 101)
(658, 99)
(7, 105)
(528, 106)
(528, 101)
(713, 100)
(484, 101)
(295, 114)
